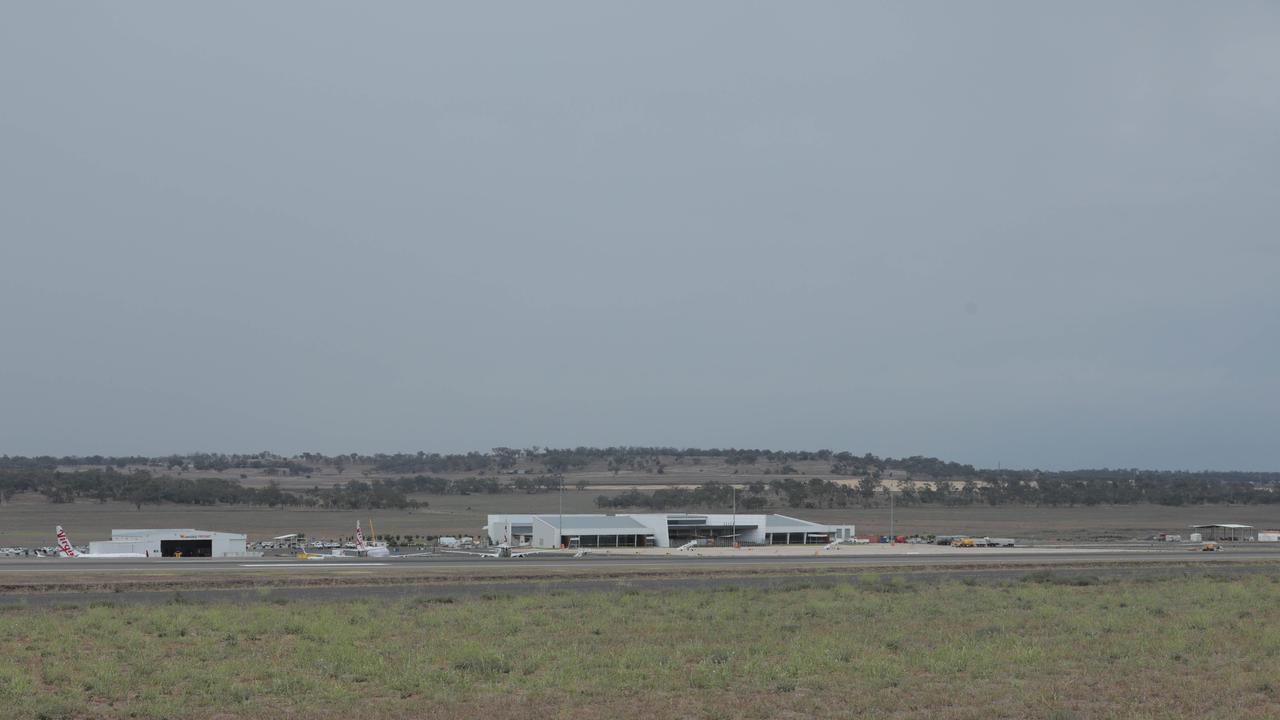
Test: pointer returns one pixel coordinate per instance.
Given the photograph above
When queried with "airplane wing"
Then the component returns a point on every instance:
(526, 553)
(471, 553)
(578, 553)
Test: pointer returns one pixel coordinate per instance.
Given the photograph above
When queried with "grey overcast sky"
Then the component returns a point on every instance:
(1030, 233)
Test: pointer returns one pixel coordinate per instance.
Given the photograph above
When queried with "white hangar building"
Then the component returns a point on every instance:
(660, 530)
(173, 543)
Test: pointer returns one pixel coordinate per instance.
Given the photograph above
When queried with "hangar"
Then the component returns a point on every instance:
(173, 543)
(1224, 531)
(660, 530)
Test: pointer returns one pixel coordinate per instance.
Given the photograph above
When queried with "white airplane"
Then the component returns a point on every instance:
(834, 544)
(691, 545)
(364, 549)
(64, 547)
(359, 549)
(502, 551)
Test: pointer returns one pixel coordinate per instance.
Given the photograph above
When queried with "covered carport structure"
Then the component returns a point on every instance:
(786, 530)
(1231, 532)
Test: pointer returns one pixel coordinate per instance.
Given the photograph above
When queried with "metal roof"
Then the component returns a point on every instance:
(614, 524)
(786, 523)
(133, 534)
(1229, 526)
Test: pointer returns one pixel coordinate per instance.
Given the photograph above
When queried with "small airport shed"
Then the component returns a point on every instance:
(1225, 531)
(171, 543)
(1269, 536)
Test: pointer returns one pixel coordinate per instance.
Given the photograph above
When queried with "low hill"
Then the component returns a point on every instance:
(657, 478)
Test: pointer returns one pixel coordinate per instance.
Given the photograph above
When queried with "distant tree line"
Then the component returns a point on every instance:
(141, 487)
(923, 480)
(558, 461)
(753, 496)
(216, 462)
(1098, 487)
(432, 485)
(1058, 489)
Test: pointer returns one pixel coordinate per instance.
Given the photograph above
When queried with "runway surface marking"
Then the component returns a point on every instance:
(343, 566)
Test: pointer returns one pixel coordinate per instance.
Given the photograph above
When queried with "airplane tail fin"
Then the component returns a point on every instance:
(360, 538)
(64, 545)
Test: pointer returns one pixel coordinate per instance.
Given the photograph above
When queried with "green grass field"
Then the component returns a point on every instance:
(1043, 647)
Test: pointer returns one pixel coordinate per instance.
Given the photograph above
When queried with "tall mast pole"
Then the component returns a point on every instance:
(735, 514)
(891, 535)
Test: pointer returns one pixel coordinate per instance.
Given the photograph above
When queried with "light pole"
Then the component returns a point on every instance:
(560, 528)
(892, 537)
(734, 488)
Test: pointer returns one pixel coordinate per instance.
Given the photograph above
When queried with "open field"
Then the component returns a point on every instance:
(1041, 647)
(29, 520)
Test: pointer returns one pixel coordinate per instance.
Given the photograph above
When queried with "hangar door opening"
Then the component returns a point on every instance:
(188, 548)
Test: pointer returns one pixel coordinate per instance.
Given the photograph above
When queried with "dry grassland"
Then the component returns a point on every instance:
(1043, 647)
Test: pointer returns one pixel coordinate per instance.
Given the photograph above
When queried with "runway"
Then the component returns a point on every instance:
(60, 583)
(554, 564)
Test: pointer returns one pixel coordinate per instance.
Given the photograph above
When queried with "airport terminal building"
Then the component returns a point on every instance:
(173, 543)
(660, 530)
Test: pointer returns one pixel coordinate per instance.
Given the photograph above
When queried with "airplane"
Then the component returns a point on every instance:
(64, 547)
(364, 549)
(360, 549)
(503, 551)
(691, 545)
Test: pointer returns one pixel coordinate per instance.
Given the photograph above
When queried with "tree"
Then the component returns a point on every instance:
(272, 496)
(144, 490)
(868, 485)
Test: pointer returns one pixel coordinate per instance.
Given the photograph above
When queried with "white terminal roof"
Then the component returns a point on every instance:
(786, 523)
(1229, 526)
(614, 524)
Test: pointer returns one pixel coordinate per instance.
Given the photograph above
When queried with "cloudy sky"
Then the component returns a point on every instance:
(1018, 233)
